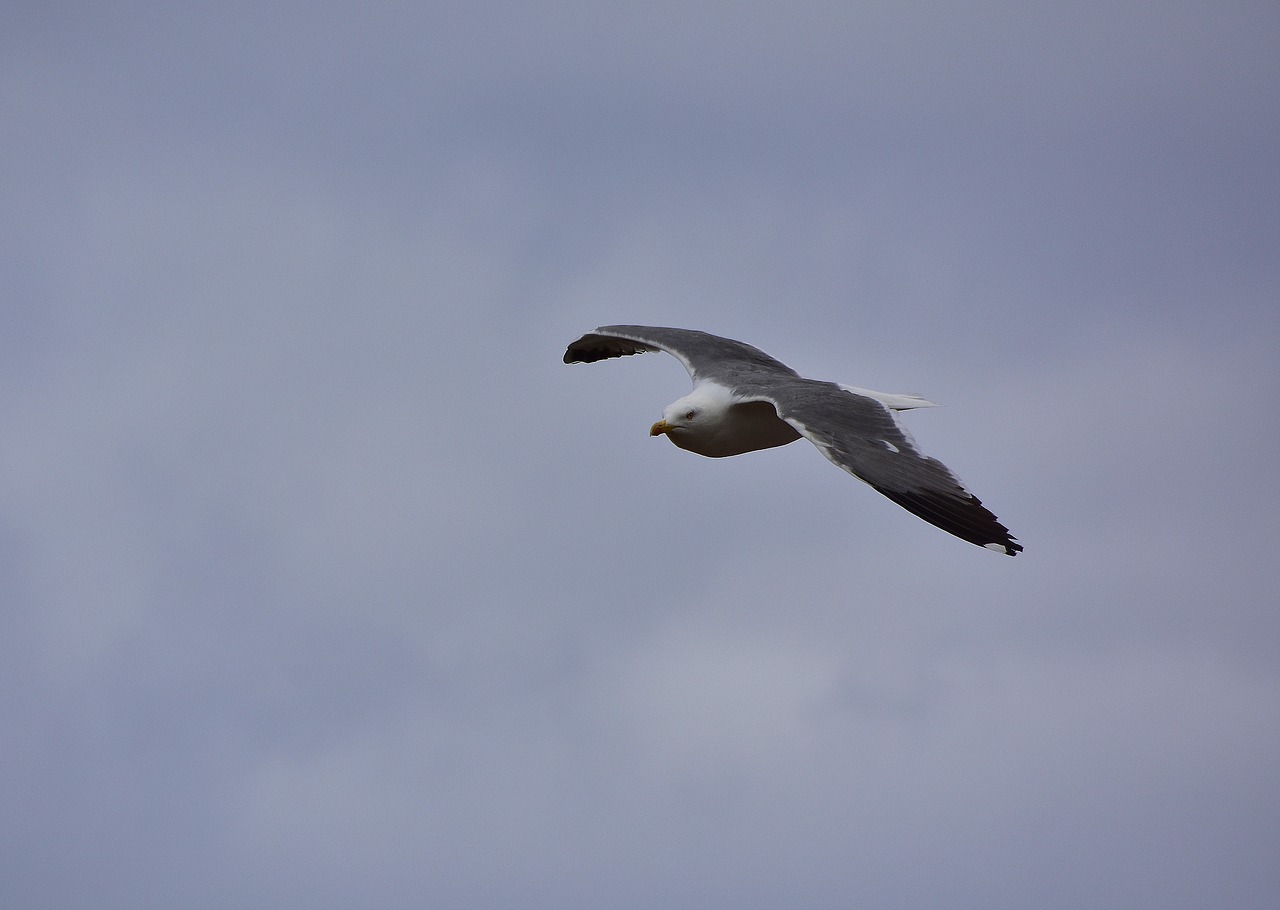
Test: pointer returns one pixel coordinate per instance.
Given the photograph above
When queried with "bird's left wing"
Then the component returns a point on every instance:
(860, 435)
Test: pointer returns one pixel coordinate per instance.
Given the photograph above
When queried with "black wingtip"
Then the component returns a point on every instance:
(592, 347)
(966, 518)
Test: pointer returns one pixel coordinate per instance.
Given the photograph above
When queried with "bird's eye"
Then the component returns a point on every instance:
(690, 415)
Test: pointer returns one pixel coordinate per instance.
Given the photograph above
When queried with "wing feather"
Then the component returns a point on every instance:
(861, 436)
(705, 356)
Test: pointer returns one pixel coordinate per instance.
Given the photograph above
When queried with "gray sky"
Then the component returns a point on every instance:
(327, 584)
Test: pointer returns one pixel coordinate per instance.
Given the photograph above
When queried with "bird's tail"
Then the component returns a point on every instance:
(894, 401)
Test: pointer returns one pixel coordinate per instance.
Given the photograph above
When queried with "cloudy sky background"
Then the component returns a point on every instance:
(326, 583)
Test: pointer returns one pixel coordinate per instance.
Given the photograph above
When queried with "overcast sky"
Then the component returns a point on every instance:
(326, 584)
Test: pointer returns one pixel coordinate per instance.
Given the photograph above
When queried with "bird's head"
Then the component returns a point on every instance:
(678, 419)
(694, 421)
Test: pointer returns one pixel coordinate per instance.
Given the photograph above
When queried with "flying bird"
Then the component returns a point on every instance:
(744, 400)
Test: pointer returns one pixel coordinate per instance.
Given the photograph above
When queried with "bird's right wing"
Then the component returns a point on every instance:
(705, 356)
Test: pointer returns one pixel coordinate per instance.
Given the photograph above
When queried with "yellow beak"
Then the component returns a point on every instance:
(659, 428)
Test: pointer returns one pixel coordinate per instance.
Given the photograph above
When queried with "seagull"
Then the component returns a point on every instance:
(744, 400)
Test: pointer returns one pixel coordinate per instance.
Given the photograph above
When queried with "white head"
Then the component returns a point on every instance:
(694, 417)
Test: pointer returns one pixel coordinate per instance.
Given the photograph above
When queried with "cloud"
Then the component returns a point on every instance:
(328, 583)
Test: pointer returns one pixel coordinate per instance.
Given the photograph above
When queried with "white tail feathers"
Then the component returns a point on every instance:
(894, 401)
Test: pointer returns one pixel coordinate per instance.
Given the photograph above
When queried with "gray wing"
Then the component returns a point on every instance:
(860, 435)
(706, 356)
